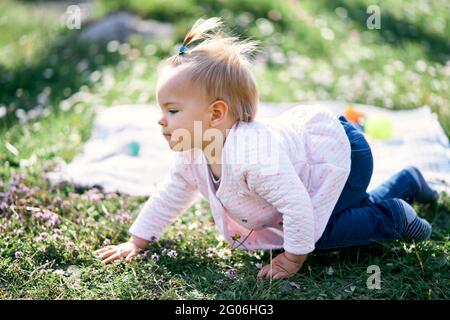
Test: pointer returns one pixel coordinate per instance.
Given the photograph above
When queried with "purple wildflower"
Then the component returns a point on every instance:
(23, 189)
(111, 196)
(70, 245)
(18, 232)
(144, 255)
(79, 219)
(106, 242)
(57, 237)
(50, 219)
(57, 201)
(60, 230)
(65, 204)
(4, 206)
(180, 235)
(155, 257)
(123, 217)
(18, 254)
(231, 273)
(17, 178)
(41, 237)
(47, 166)
(93, 195)
(74, 196)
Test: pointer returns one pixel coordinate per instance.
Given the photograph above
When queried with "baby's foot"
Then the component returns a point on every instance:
(414, 227)
(425, 193)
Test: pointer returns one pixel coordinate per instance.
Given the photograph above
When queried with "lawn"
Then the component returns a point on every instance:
(313, 50)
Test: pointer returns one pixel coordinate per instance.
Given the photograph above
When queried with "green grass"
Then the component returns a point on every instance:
(50, 83)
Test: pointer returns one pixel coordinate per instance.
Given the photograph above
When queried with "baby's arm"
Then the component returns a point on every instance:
(328, 150)
(281, 186)
(284, 265)
(174, 195)
(127, 250)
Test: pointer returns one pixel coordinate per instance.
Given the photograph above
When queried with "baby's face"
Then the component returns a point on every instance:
(183, 105)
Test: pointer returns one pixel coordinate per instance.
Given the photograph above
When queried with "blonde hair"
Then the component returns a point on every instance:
(220, 63)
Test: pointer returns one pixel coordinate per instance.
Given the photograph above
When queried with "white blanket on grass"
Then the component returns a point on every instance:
(418, 139)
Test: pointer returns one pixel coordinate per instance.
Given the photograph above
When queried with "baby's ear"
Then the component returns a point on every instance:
(219, 110)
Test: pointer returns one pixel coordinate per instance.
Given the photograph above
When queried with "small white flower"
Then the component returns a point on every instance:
(59, 272)
(113, 46)
(421, 65)
(155, 257)
(172, 254)
(224, 254)
(2, 111)
(265, 26)
(48, 73)
(82, 65)
(327, 33)
(219, 237)
(295, 285)
(193, 226)
(330, 271)
(95, 76)
(341, 12)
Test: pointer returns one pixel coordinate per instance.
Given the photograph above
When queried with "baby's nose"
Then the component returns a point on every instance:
(161, 122)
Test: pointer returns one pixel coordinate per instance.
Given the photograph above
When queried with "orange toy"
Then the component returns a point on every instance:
(353, 115)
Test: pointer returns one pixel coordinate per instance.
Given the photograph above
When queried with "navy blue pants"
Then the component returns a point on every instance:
(361, 218)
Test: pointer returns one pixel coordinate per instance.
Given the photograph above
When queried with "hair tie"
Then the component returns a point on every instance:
(182, 49)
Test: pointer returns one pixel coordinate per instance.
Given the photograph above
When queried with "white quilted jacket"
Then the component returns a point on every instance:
(281, 179)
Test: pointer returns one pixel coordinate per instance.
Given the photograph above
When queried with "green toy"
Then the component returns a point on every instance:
(379, 127)
(134, 148)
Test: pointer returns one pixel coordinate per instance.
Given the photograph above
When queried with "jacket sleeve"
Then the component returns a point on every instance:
(174, 195)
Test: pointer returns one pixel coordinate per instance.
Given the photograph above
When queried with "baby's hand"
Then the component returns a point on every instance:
(127, 250)
(285, 265)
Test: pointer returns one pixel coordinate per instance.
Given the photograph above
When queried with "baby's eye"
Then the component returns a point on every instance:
(173, 111)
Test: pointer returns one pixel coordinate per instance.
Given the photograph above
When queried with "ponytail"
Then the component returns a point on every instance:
(200, 28)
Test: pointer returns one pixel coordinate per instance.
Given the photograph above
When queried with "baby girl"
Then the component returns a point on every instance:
(297, 182)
